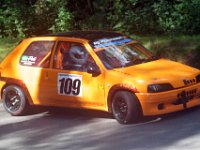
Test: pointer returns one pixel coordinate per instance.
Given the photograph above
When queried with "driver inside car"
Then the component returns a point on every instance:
(75, 58)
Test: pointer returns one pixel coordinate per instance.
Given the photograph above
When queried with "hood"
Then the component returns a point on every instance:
(162, 71)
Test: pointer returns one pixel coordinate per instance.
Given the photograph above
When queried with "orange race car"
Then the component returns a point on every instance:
(99, 70)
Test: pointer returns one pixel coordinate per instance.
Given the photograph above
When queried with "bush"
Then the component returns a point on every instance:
(192, 58)
(34, 17)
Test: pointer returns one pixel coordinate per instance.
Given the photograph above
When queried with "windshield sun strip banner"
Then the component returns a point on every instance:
(110, 41)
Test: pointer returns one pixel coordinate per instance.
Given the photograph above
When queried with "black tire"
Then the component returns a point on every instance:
(14, 100)
(126, 107)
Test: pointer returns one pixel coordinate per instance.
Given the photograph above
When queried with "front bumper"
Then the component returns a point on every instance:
(171, 101)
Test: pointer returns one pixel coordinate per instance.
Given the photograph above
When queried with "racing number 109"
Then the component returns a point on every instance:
(69, 85)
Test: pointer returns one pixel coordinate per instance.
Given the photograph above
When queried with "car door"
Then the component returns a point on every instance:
(69, 83)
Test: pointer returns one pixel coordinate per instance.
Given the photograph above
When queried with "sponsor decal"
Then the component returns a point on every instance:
(28, 60)
(111, 42)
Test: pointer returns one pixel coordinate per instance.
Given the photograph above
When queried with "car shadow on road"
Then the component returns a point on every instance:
(73, 113)
(86, 129)
(68, 113)
(77, 113)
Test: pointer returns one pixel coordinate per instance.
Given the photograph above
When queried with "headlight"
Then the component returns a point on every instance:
(198, 78)
(153, 88)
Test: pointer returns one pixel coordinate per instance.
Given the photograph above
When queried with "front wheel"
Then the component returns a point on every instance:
(14, 100)
(126, 107)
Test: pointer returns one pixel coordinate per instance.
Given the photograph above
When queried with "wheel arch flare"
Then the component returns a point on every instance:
(116, 88)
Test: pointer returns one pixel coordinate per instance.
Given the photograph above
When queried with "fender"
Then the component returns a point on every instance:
(119, 87)
(20, 83)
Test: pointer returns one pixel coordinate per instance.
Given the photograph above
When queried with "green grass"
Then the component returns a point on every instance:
(181, 48)
(6, 45)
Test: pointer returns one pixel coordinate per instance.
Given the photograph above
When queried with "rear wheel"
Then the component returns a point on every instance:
(14, 100)
(126, 107)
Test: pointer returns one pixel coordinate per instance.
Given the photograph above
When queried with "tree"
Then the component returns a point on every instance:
(36, 17)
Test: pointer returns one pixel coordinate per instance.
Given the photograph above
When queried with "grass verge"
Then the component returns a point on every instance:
(181, 48)
(6, 45)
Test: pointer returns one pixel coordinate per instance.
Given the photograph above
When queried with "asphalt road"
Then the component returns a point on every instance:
(91, 130)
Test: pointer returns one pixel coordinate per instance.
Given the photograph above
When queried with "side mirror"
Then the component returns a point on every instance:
(93, 69)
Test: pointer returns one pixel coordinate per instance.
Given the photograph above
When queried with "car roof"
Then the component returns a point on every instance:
(89, 35)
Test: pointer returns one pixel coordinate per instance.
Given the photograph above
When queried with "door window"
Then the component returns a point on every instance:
(72, 56)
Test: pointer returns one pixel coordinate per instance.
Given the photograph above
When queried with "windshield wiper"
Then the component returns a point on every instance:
(152, 58)
(139, 61)
(135, 62)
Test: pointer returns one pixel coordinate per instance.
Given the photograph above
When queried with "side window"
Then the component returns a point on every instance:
(37, 54)
(72, 56)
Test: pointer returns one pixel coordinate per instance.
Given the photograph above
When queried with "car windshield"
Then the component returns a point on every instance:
(127, 54)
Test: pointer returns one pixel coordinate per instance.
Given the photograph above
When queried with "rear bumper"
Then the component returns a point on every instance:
(171, 101)
(2, 84)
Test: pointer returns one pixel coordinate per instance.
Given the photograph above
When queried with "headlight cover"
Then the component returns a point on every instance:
(154, 88)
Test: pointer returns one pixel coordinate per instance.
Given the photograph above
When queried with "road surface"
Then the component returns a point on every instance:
(91, 130)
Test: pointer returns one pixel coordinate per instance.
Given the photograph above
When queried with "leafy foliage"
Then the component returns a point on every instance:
(63, 21)
(178, 16)
(34, 17)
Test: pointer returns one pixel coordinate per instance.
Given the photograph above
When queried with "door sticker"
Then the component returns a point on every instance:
(69, 84)
(28, 60)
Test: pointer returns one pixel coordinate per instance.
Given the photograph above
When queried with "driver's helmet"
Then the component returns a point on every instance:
(78, 54)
